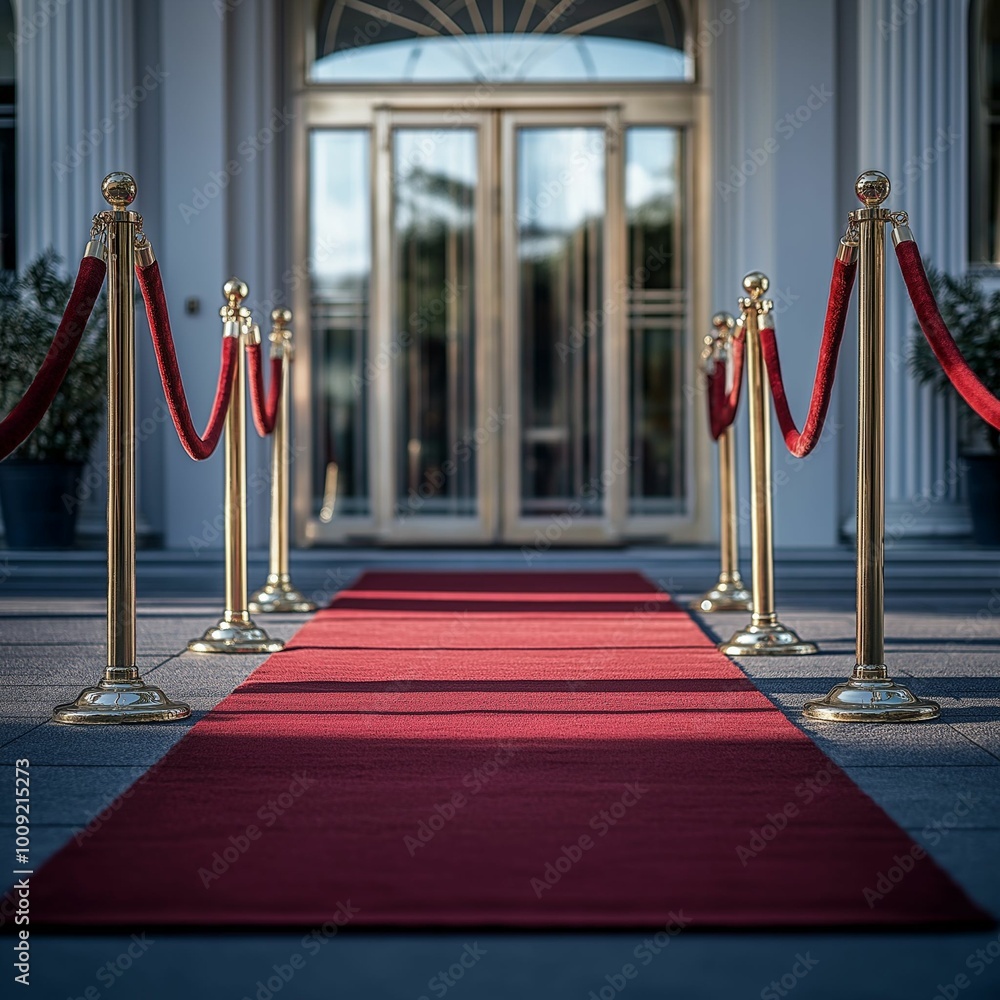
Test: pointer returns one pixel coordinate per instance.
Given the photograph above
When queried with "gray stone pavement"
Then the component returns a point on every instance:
(945, 645)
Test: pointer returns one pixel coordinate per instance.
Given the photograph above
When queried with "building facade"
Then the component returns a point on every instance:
(503, 228)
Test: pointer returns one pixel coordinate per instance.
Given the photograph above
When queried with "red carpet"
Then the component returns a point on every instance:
(498, 749)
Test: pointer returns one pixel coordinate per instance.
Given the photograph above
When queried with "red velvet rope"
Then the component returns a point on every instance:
(800, 443)
(722, 405)
(25, 416)
(265, 411)
(962, 377)
(198, 446)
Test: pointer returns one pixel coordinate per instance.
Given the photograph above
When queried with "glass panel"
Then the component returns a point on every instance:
(992, 193)
(487, 41)
(657, 320)
(434, 214)
(560, 249)
(340, 261)
(504, 59)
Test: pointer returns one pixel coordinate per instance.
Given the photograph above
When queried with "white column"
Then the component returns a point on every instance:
(88, 81)
(911, 121)
(75, 77)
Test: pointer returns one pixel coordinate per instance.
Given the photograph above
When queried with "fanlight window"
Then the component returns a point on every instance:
(492, 41)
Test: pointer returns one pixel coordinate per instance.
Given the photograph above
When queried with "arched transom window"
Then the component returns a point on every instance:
(531, 41)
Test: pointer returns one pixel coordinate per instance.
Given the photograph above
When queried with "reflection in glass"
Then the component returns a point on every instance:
(657, 320)
(560, 246)
(504, 58)
(434, 210)
(340, 275)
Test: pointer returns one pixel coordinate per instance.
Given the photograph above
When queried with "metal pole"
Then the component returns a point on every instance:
(236, 631)
(870, 631)
(765, 635)
(729, 592)
(870, 695)
(121, 696)
(278, 593)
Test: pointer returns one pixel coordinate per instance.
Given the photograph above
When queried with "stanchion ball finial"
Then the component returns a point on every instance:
(119, 190)
(872, 188)
(755, 284)
(281, 317)
(235, 290)
(723, 321)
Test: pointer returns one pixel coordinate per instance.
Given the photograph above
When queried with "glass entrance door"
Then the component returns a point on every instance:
(560, 220)
(502, 360)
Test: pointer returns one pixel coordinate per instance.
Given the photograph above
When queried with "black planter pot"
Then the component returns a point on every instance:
(984, 498)
(39, 502)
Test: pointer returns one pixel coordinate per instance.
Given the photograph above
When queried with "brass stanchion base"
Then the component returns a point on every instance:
(766, 640)
(279, 594)
(120, 701)
(726, 595)
(871, 696)
(235, 635)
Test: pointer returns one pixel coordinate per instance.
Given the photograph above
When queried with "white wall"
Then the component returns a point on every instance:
(191, 245)
(776, 96)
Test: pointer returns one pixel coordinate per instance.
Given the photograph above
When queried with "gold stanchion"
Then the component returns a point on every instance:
(870, 695)
(236, 631)
(765, 635)
(279, 593)
(121, 695)
(729, 592)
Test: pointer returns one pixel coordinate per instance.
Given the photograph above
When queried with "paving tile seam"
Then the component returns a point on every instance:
(27, 732)
(954, 728)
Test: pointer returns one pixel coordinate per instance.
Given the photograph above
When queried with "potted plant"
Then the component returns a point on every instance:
(40, 480)
(973, 316)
